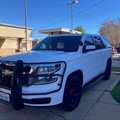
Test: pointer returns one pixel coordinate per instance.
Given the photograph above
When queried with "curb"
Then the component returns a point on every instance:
(118, 73)
(116, 59)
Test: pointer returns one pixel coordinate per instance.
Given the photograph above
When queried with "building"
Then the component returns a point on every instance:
(35, 42)
(12, 39)
(55, 31)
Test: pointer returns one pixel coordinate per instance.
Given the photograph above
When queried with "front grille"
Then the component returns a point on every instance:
(6, 73)
(5, 81)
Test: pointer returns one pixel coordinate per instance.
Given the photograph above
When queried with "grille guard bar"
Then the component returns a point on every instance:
(16, 86)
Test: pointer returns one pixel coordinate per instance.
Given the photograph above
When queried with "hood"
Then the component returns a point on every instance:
(38, 56)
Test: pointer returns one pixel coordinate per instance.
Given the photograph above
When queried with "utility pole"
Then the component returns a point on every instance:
(25, 10)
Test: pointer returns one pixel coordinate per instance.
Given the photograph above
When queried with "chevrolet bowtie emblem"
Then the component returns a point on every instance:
(7, 72)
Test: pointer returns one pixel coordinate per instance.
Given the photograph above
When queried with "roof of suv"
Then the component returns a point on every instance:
(74, 35)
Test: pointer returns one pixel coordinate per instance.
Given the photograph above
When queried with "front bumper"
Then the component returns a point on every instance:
(34, 99)
(19, 95)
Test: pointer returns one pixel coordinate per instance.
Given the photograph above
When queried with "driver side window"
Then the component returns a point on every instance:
(88, 41)
(88, 44)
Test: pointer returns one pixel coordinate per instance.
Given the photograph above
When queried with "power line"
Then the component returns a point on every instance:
(65, 19)
(86, 28)
(94, 5)
(102, 24)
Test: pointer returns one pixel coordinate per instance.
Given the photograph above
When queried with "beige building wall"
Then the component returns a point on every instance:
(23, 45)
(13, 31)
(12, 39)
(8, 51)
(9, 43)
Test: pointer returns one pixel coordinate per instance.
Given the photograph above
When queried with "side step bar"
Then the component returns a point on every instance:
(92, 82)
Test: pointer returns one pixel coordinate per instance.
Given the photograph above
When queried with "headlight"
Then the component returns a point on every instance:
(46, 73)
(48, 69)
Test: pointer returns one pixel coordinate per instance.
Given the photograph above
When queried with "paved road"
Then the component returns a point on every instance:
(96, 104)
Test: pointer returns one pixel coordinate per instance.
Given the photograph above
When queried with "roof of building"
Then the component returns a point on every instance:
(56, 30)
(15, 26)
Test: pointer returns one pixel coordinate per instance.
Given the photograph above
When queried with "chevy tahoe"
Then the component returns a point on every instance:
(54, 71)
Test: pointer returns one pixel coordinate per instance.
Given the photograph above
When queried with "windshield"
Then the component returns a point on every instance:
(59, 43)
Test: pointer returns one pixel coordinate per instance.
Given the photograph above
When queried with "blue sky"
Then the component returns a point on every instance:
(43, 14)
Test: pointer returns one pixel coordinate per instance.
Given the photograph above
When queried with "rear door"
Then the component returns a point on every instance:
(100, 54)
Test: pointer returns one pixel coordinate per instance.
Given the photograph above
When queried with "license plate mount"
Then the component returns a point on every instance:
(4, 97)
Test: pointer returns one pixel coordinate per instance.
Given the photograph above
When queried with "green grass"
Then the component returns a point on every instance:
(116, 92)
(116, 69)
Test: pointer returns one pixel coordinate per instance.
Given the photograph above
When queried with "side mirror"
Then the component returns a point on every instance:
(89, 48)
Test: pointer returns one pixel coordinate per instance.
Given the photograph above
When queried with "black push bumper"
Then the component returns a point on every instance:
(16, 86)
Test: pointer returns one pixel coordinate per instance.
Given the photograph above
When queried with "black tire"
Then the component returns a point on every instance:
(107, 72)
(72, 93)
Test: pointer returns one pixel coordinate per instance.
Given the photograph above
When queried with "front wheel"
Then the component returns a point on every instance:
(72, 93)
(107, 72)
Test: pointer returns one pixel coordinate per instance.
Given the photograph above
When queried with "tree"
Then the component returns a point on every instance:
(80, 28)
(111, 30)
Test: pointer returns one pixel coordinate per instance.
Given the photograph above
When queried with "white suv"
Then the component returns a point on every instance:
(54, 71)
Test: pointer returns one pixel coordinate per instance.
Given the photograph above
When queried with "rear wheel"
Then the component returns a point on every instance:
(72, 93)
(107, 71)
